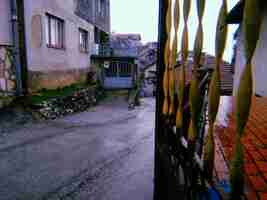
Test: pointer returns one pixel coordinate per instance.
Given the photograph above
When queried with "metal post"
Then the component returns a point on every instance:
(159, 183)
(15, 41)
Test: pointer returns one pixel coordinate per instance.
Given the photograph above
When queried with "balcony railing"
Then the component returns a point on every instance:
(105, 50)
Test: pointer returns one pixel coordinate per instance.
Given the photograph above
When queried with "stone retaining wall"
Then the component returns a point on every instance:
(7, 70)
(77, 102)
(7, 76)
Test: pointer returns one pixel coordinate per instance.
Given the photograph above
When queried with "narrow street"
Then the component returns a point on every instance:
(105, 153)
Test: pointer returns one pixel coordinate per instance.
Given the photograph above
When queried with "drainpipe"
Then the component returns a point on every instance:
(15, 43)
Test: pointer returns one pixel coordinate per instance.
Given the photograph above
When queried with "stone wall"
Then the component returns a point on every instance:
(79, 101)
(7, 70)
(7, 76)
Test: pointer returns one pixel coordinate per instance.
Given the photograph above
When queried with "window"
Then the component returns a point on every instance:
(83, 40)
(54, 32)
(101, 8)
(97, 35)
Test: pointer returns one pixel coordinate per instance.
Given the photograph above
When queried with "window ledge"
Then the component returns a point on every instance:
(55, 47)
(84, 51)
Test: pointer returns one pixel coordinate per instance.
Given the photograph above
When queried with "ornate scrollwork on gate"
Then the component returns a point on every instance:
(184, 56)
(184, 155)
(214, 90)
(194, 94)
(165, 109)
(176, 20)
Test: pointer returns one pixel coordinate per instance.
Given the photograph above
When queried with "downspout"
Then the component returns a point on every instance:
(15, 43)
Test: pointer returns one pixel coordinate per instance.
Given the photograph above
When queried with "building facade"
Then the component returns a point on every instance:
(56, 39)
(7, 70)
(259, 59)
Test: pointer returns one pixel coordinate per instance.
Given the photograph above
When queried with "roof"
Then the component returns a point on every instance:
(133, 36)
(125, 44)
(125, 40)
(235, 16)
(227, 76)
(255, 145)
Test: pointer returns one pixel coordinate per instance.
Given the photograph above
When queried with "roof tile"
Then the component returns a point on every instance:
(258, 183)
(256, 155)
(263, 196)
(262, 166)
(251, 169)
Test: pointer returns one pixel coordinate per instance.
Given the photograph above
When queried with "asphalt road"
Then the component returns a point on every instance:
(102, 154)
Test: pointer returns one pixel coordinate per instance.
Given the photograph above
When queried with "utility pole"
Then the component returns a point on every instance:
(15, 43)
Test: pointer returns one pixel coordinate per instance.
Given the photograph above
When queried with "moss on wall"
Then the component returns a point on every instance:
(6, 100)
(7, 71)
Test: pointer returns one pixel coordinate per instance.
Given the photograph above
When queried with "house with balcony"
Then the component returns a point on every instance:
(118, 59)
(48, 43)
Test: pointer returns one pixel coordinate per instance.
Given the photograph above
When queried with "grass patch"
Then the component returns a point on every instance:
(45, 94)
(113, 95)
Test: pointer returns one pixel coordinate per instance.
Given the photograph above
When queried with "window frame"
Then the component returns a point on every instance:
(101, 8)
(84, 48)
(60, 43)
(96, 35)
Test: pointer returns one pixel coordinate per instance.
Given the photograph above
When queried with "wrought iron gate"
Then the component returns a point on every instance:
(119, 75)
(183, 163)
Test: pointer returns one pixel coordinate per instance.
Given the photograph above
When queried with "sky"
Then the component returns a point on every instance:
(141, 16)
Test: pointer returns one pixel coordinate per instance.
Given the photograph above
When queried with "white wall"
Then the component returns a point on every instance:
(259, 61)
(5, 27)
(47, 59)
(239, 61)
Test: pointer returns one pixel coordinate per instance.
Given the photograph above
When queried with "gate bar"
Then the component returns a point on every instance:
(160, 185)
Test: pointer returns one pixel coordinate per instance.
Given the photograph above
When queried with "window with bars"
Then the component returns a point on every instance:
(54, 32)
(83, 40)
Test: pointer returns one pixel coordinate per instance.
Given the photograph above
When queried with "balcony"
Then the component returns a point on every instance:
(118, 71)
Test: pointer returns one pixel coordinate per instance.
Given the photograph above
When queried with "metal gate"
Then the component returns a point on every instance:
(119, 75)
(183, 163)
(181, 116)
